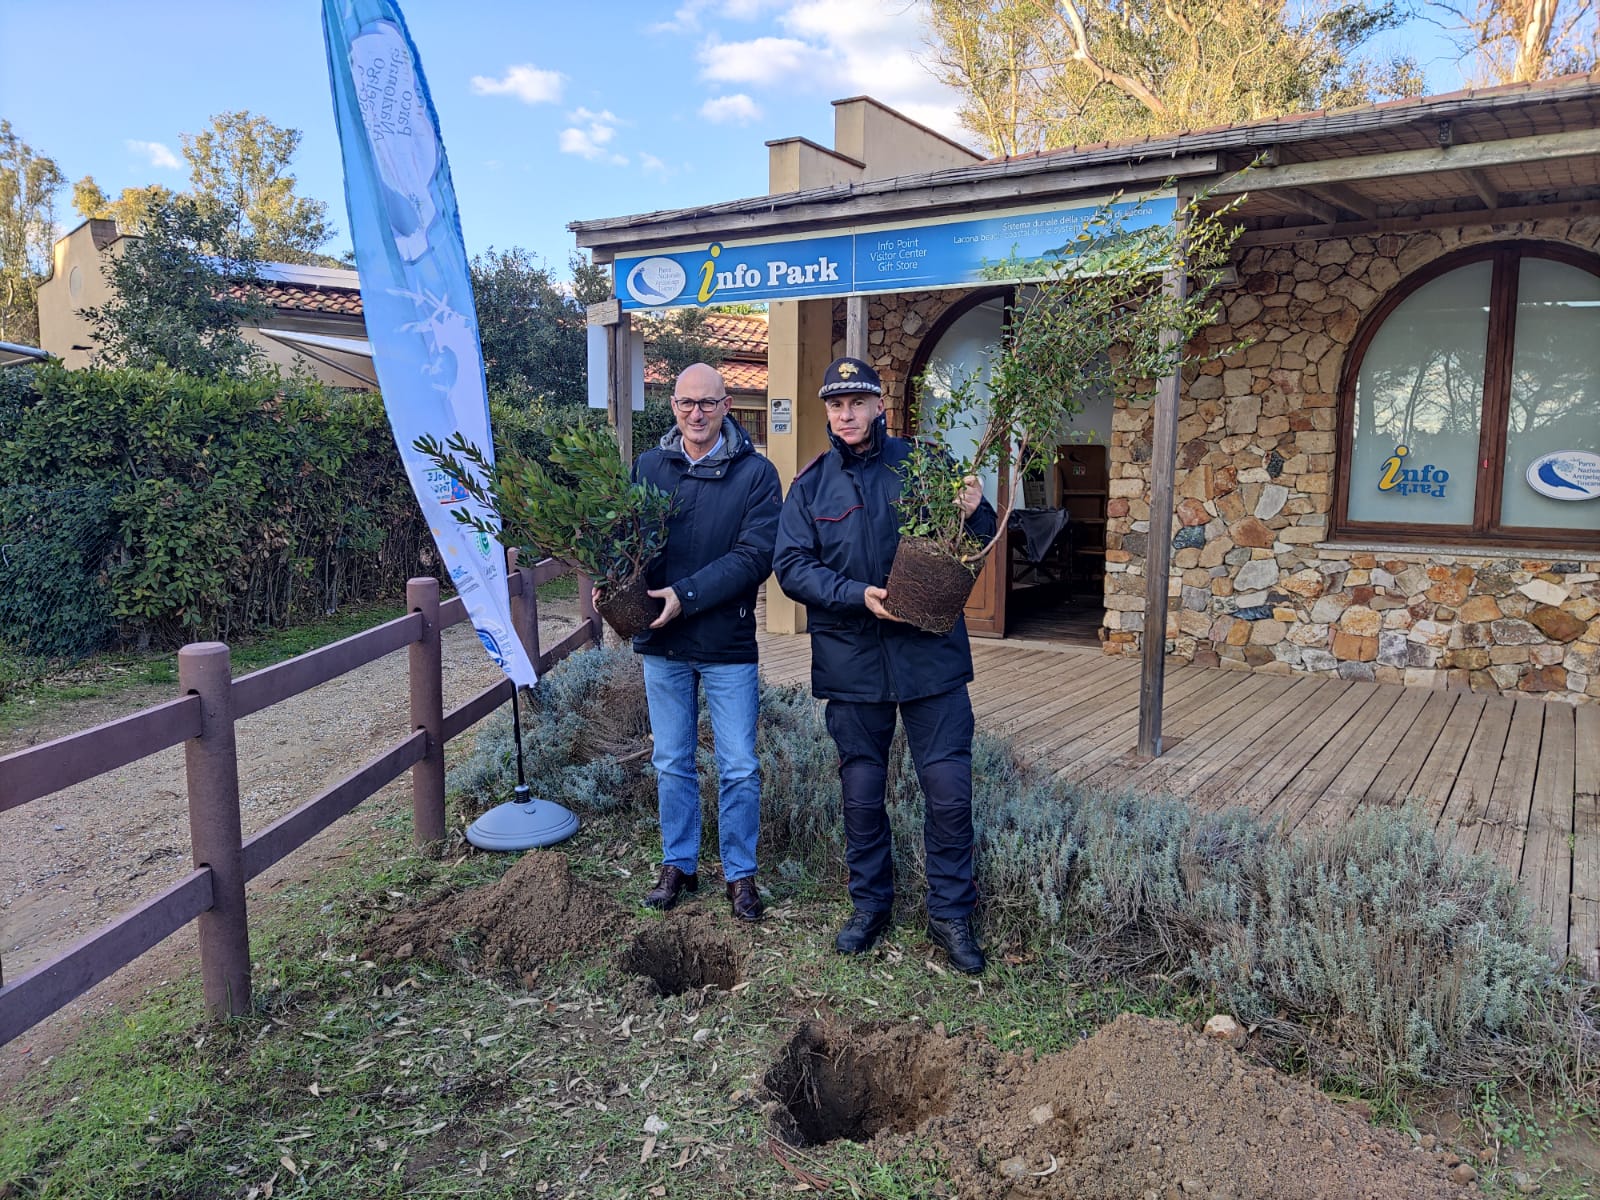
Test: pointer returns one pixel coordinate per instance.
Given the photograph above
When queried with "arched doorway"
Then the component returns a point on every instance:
(1047, 578)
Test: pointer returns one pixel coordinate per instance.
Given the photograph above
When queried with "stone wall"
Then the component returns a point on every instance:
(1255, 581)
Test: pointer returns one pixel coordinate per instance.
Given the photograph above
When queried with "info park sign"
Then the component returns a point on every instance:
(1005, 247)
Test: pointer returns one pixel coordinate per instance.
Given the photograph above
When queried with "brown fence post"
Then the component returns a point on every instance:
(586, 607)
(211, 763)
(525, 608)
(427, 713)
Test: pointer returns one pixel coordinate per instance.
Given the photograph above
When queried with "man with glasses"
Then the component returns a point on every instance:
(726, 500)
(836, 540)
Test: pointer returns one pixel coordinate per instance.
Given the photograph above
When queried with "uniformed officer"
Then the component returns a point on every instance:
(836, 540)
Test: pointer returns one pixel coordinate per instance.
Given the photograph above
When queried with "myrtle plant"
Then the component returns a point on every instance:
(586, 510)
(1103, 318)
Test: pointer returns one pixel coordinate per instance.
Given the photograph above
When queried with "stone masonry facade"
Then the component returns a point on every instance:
(1256, 583)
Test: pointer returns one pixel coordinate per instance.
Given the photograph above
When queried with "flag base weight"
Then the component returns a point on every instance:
(522, 824)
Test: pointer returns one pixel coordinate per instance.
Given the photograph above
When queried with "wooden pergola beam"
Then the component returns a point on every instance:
(1320, 210)
(1400, 163)
(1480, 184)
(1434, 220)
(1348, 199)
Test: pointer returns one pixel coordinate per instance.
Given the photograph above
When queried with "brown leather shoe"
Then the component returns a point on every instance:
(670, 884)
(746, 901)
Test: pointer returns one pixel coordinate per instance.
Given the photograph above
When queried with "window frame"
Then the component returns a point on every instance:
(1485, 530)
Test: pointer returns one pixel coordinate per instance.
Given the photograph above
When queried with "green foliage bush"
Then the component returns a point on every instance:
(1378, 948)
(155, 507)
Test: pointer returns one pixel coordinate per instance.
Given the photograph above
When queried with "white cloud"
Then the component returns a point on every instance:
(591, 136)
(763, 60)
(651, 165)
(686, 18)
(526, 82)
(156, 154)
(737, 108)
(837, 48)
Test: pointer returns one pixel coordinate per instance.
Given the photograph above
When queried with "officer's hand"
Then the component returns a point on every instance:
(875, 598)
(671, 606)
(970, 495)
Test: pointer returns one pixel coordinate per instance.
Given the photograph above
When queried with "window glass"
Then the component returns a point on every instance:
(1555, 393)
(1419, 403)
(963, 353)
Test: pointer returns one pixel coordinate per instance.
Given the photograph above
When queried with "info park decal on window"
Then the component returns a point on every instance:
(1013, 246)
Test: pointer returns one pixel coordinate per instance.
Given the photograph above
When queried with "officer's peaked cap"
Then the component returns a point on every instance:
(849, 375)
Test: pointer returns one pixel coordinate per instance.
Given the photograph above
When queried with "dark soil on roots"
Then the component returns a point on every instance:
(927, 587)
(535, 912)
(627, 608)
(1142, 1110)
(682, 955)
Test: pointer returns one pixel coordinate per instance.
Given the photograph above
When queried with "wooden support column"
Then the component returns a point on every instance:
(855, 330)
(1158, 557)
(211, 764)
(619, 387)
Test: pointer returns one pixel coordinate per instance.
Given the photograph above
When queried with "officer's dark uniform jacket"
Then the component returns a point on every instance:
(719, 545)
(837, 536)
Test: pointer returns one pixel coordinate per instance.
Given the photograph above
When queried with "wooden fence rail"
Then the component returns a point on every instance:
(203, 720)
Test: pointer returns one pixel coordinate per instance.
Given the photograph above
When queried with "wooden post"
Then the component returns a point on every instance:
(855, 329)
(211, 764)
(525, 607)
(587, 609)
(619, 388)
(1158, 557)
(427, 713)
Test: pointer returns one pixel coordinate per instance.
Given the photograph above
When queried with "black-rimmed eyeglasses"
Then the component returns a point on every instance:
(687, 404)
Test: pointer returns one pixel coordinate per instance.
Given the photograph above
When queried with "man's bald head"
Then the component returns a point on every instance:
(699, 381)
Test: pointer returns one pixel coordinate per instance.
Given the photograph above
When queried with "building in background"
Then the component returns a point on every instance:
(314, 322)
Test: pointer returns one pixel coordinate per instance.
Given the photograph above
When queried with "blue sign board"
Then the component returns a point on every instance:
(959, 252)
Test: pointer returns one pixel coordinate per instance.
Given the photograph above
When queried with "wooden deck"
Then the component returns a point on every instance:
(1517, 779)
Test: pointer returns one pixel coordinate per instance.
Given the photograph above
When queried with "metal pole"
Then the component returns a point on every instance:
(1158, 558)
(211, 764)
(427, 714)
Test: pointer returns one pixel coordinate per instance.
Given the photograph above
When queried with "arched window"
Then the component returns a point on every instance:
(1471, 404)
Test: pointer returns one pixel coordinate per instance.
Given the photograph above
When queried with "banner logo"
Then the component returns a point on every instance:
(656, 281)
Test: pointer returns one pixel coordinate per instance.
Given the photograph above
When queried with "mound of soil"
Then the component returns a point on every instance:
(535, 913)
(1150, 1109)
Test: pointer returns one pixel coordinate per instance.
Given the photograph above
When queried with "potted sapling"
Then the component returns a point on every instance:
(582, 508)
(1099, 320)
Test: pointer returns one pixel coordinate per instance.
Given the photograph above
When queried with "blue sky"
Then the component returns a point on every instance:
(550, 112)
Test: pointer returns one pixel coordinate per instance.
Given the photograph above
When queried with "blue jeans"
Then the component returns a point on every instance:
(671, 686)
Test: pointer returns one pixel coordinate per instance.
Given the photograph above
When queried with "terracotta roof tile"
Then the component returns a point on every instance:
(345, 301)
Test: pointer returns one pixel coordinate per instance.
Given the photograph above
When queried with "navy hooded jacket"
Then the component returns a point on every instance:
(719, 545)
(837, 537)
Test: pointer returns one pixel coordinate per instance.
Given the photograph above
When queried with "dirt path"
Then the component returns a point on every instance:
(71, 861)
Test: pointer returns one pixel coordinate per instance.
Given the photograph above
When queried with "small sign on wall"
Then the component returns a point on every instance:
(1566, 475)
(780, 416)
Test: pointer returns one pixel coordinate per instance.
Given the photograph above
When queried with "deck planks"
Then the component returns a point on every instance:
(1515, 778)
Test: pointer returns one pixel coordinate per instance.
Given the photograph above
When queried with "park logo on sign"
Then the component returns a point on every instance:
(1566, 475)
(446, 488)
(1402, 480)
(656, 281)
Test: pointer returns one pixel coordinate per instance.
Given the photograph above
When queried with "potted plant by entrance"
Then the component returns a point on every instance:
(1104, 318)
(582, 508)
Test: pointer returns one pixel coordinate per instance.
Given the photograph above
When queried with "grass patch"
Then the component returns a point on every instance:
(38, 687)
(411, 1077)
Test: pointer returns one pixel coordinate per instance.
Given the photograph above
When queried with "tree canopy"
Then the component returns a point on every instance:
(240, 165)
(531, 325)
(1515, 41)
(1037, 74)
(28, 185)
(172, 304)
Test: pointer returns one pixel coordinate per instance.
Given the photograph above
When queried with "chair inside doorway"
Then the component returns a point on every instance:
(1056, 581)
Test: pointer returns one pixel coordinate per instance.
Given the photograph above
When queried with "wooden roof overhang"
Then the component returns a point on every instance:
(1501, 154)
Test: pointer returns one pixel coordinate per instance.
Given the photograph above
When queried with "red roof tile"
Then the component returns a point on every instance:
(346, 301)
